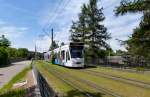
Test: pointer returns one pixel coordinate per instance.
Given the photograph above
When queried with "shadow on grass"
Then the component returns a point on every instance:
(14, 93)
(90, 66)
(85, 67)
(75, 93)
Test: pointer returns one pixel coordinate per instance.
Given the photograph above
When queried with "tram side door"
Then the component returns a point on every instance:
(68, 62)
(63, 57)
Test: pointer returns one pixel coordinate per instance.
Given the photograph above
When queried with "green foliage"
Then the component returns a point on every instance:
(90, 30)
(4, 42)
(62, 44)
(7, 53)
(14, 93)
(22, 52)
(140, 69)
(12, 52)
(120, 53)
(52, 60)
(3, 56)
(132, 6)
(139, 43)
(109, 52)
(54, 45)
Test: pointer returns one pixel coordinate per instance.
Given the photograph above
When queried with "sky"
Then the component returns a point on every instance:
(27, 22)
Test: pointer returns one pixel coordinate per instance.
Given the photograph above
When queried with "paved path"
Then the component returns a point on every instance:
(6, 73)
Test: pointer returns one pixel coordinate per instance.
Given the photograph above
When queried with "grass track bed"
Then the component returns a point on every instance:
(63, 89)
(118, 78)
(79, 85)
(127, 90)
(83, 83)
(125, 74)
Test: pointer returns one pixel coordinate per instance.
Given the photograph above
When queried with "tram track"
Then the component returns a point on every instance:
(118, 78)
(71, 84)
(61, 76)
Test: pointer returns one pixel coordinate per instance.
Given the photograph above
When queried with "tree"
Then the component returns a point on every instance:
(90, 30)
(4, 42)
(22, 52)
(3, 56)
(120, 53)
(12, 52)
(54, 46)
(97, 31)
(139, 42)
(62, 44)
(109, 52)
(79, 28)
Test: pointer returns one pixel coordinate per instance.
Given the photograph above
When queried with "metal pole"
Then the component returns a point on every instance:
(52, 38)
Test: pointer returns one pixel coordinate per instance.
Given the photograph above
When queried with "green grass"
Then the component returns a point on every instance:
(57, 84)
(70, 92)
(125, 74)
(127, 90)
(14, 93)
(17, 78)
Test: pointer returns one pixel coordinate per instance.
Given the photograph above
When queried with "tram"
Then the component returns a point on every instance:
(70, 55)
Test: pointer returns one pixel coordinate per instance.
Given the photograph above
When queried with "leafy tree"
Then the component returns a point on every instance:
(62, 43)
(54, 46)
(109, 52)
(4, 42)
(12, 52)
(119, 52)
(79, 28)
(90, 30)
(22, 52)
(3, 56)
(139, 42)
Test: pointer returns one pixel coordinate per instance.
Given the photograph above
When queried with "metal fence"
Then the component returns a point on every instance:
(119, 61)
(45, 89)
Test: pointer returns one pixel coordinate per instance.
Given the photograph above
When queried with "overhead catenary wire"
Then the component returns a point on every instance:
(59, 8)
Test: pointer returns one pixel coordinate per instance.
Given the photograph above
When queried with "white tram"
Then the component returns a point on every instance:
(71, 55)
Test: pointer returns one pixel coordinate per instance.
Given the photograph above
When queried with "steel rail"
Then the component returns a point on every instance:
(62, 77)
(118, 78)
(91, 84)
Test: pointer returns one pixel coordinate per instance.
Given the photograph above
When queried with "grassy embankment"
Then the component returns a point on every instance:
(127, 90)
(8, 91)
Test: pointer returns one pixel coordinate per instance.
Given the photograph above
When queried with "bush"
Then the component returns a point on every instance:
(140, 68)
(3, 56)
(12, 52)
(22, 52)
(14, 93)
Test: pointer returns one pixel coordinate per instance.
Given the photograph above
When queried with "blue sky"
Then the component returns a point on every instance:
(23, 21)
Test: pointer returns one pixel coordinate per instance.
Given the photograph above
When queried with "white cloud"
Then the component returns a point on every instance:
(67, 11)
(12, 31)
(119, 27)
(43, 44)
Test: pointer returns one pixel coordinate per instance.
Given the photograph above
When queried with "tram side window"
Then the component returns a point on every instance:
(63, 55)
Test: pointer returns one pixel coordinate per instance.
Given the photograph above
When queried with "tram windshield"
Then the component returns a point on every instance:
(76, 51)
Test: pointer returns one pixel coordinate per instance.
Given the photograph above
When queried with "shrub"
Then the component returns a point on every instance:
(140, 68)
(3, 56)
(12, 52)
(22, 52)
